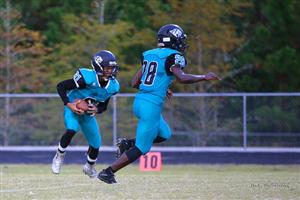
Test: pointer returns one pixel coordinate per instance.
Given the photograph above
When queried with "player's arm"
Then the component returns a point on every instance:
(136, 81)
(175, 63)
(102, 106)
(64, 86)
(192, 78)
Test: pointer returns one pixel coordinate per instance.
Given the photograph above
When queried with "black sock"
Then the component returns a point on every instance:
(92, 155)
(60, 151)
(66, 138)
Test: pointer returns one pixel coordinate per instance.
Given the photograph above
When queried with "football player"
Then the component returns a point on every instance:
(95, 86)
(160, 66)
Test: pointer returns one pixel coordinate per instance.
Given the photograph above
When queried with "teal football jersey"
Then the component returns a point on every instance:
(93, 89)
(157, 75)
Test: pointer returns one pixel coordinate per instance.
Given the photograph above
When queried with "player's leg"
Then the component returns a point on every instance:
(147, 129)
(65, 140)
(144, 145)
(124, 144)
(89, 167)
(164, 134)
(91, 132)
(72, 126)
(164, 131)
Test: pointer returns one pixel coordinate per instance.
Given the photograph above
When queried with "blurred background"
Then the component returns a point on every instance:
(253, 45)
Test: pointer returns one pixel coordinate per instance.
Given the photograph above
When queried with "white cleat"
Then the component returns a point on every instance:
(89, 170)
(57, 162)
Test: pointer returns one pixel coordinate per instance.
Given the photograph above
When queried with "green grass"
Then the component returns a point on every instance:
(173, 182)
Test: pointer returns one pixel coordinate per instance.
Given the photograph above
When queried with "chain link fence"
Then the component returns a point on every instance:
(196, 120)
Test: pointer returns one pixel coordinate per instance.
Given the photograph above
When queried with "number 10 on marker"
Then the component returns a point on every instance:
(151, 162)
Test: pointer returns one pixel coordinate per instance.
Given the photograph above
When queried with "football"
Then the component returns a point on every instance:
(81, 104)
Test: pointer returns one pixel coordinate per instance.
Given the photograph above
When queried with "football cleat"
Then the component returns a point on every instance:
(57, 162)
(107, 176)
(123, 145)
(89, 170)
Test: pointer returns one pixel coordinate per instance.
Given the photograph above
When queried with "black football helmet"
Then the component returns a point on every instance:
(172, 36)
(104, 59)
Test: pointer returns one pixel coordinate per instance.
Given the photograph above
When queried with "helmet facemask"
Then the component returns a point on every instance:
(109, 71)
(180, 44)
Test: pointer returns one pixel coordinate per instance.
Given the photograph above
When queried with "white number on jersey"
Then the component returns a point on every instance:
(76, 78)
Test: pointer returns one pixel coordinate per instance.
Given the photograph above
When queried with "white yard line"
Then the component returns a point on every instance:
(41, 189)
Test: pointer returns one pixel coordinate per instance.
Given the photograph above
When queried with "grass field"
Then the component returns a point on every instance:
(173, 182)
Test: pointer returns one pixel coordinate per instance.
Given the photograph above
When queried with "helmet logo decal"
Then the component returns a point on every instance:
(98, 60)
(176, 32)
(166, 39)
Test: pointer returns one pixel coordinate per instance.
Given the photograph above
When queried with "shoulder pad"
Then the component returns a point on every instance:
(115, 85)
(161, 52)
(90, 76)
(180, 60)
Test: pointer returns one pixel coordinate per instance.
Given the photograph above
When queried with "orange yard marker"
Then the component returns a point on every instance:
(152, 161)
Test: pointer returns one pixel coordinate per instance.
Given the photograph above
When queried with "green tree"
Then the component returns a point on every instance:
(46, 16)
(22, 51)
(271, 50)
(132, 11)
(212, 36)
(21, 64)
(87, 36)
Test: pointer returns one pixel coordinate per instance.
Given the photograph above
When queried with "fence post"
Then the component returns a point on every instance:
(114, 120)
(244, 121)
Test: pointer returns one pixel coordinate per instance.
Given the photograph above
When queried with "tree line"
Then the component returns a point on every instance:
(253, 45)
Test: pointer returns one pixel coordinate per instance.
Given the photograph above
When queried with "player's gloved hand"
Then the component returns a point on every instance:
(92, 109)
(74, 109)
(211, 76)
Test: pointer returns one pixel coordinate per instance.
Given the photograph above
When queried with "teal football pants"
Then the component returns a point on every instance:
(150, 124)
(88, 124)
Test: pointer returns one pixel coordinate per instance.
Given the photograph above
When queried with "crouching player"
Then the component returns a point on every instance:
(95, 86)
